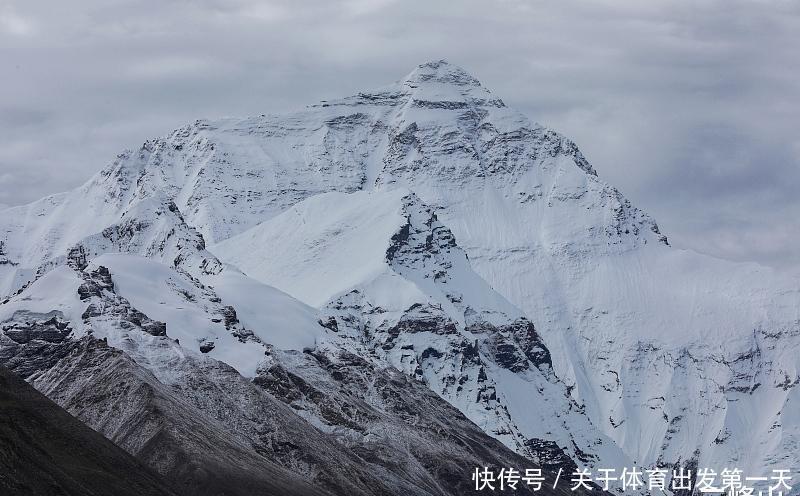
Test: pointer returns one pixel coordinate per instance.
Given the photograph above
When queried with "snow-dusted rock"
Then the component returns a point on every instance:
(673, 355)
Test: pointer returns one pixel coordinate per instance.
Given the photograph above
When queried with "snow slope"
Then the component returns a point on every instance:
(310, 251)
(675, 356)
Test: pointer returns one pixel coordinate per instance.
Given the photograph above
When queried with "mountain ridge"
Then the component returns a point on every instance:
(659, 349)
(44, 450)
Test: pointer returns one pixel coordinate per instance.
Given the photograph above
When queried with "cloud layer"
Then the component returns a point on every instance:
(691, 108)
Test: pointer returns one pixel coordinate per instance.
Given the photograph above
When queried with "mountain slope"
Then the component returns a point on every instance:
(303, 426)
(396, 288)
(44, 451)
(674, 356)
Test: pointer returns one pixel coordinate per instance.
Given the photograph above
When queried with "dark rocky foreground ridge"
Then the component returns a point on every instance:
(44, 450)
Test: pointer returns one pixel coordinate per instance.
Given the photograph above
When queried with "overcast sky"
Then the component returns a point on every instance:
(690, 108)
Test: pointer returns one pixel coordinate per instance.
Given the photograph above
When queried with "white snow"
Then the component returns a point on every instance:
(662, 346)
(315, 250)
(275, 317)
(164, 295)
(57, 290)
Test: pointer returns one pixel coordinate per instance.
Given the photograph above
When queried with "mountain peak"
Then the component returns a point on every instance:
(442, 72)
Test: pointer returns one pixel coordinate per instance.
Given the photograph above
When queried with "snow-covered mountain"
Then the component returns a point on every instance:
(394, 286)
(280, 421)
(425, 227)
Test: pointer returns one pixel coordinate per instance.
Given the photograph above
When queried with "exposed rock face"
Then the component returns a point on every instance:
(49, 328)
(32, 342)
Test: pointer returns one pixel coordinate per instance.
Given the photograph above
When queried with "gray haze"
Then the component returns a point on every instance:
(690, 108)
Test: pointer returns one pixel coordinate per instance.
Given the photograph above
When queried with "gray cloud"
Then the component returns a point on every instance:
(690, 107)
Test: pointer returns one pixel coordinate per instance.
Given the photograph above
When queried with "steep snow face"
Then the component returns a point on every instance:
(274, 317)
(668, 352)
(326, 246)
(323, 246)
(394, 287)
